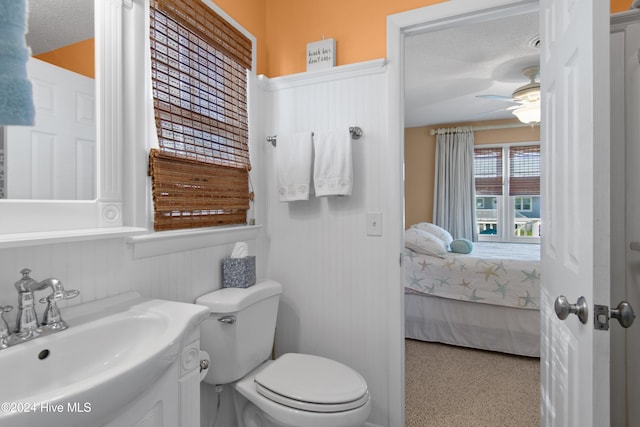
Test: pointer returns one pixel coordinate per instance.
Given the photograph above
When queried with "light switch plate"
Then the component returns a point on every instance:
(374, 224)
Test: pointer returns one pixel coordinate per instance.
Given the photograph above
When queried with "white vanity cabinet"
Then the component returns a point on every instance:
(174, 400)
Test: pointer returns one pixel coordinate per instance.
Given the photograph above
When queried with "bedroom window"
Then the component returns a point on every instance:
(507, 180)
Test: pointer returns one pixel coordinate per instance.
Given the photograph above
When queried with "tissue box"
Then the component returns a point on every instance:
(239, 272)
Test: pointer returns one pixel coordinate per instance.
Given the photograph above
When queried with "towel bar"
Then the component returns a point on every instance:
(355, 131)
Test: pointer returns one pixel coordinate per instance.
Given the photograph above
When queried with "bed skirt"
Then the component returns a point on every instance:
(467, 324)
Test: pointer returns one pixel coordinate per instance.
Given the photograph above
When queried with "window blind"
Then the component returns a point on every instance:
(199, 66)
(487, 164)
(524, 171)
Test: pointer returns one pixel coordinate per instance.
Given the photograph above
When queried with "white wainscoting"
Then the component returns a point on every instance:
(335, 301)
(100, 268)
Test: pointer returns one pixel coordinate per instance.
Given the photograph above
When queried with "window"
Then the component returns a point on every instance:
(199, 66)
(523, 204)
(507, 180)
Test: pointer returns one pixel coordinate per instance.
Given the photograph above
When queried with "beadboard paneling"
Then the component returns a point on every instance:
(335, 291)
(102, 268)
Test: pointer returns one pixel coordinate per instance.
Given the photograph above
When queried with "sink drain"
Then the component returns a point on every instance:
(43, 354)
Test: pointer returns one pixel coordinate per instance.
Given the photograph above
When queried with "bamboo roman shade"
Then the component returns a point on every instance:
(487, 164)
(199, 69)
(524, 170)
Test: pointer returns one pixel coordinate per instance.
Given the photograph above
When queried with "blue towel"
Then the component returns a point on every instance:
(16, 99)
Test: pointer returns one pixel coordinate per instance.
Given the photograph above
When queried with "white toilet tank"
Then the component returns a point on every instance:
(239, 333)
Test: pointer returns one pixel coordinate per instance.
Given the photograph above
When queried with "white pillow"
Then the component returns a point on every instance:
(436, 230)
(425, 243)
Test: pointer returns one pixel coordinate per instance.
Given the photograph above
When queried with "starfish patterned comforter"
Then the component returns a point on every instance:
(505, 274)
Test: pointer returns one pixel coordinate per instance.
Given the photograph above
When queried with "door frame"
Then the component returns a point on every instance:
(399, 26)
(623, 206)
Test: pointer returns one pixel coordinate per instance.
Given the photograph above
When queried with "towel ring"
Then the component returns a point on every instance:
(355, 131)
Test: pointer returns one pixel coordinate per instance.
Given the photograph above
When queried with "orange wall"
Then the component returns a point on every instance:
(252, 15)
(620, 5)
(77, 57)
(358, 26)
(283, 28)
(419, 162)
(419, 167)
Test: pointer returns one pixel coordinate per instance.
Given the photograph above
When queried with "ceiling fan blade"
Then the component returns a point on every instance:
(498, 98)
(486, 113)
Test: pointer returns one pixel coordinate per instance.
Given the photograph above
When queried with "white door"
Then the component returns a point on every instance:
(55, 158)
(575, 244)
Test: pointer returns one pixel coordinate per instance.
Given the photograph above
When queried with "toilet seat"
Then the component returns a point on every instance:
(312, 383)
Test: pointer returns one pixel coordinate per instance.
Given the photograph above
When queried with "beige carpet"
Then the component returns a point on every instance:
(456, 386)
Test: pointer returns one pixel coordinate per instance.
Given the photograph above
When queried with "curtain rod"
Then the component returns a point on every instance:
(486, 127)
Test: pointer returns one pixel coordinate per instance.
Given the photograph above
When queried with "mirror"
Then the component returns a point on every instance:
(56, 158)
(25, 221)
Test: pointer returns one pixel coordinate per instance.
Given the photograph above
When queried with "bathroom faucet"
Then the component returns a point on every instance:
(26, 319)
(27, 326)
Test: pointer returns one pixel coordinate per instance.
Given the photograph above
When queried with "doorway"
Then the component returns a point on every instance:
(483, 55)
(403, 26)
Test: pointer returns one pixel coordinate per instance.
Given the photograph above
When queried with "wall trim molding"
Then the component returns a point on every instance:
(167, 242)
(342, 72)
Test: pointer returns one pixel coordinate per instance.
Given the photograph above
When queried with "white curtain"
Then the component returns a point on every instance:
(454, 206)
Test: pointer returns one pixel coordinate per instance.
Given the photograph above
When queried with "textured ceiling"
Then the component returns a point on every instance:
(446, 69)
(52, 24)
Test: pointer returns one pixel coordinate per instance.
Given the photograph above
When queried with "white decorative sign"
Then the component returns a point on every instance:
(321, 54)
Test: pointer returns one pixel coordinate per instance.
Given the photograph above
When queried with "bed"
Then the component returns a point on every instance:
(488, 299)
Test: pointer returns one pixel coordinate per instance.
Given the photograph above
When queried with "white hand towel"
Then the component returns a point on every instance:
(333, 164)
(293, 166)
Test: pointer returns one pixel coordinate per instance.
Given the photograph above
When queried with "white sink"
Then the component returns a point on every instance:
(113, 351)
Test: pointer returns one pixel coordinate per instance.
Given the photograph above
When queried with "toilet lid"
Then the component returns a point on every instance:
(312, 383)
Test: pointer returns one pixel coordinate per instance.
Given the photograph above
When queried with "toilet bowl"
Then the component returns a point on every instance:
(305, 390)
(295, 390)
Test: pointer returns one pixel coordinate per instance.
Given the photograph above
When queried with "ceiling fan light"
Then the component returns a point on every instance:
(529, 92)
(529, 113)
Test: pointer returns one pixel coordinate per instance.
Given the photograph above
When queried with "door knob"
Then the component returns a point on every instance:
(624, 313)
(564, 309)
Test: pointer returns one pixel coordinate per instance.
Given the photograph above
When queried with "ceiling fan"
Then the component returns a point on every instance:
(526, 98)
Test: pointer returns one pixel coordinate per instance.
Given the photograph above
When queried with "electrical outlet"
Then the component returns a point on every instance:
(374, 224)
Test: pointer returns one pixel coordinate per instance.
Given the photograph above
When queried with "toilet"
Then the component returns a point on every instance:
(295, 390)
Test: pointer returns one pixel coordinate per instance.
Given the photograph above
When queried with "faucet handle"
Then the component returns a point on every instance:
(4, 327)
(57, 296)
(58, 292)
(52, 319)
